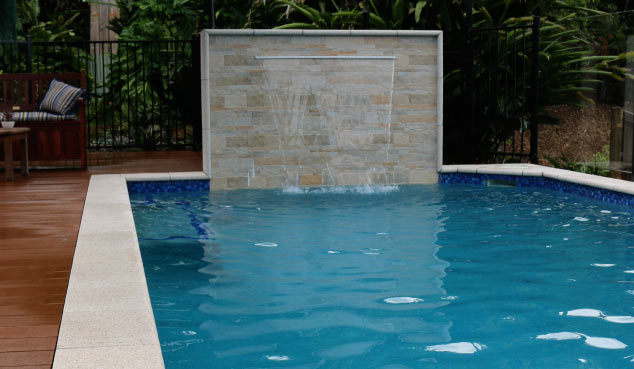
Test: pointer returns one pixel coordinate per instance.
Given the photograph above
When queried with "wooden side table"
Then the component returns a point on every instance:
(7, 137)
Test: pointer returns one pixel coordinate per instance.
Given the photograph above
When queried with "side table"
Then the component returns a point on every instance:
(7, 137)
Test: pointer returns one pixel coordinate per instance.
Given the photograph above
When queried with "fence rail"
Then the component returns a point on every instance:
(141, 94)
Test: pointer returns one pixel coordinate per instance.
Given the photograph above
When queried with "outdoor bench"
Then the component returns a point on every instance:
(53, 138)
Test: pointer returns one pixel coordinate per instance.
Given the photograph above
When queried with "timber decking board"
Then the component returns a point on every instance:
(39, 223)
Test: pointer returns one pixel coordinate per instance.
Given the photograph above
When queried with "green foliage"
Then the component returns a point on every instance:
(52, 21)
(235, 14)
(58, 28)
(383, 14)
(53, 9)
(159, 19)
(599, 164)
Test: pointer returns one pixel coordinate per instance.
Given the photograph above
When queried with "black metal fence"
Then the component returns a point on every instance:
(502, 77)
(141, 94)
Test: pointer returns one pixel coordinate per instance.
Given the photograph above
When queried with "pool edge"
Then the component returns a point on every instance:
(107, 320)
(532, 170)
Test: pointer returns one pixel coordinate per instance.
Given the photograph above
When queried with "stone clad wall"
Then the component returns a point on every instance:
(271, 123)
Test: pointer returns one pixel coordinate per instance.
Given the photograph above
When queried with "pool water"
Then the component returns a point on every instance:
(438, 276)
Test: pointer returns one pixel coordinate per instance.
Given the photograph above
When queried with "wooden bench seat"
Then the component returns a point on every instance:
(49, 141)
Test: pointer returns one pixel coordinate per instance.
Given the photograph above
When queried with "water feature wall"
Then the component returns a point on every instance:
(293, 108)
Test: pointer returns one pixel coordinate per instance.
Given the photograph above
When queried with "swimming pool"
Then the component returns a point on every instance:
(443, 276)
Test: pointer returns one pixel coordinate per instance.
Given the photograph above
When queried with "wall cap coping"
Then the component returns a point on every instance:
(320, 32)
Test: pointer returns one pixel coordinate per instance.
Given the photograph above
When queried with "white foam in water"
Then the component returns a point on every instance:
(592, 313)
(603, 265)
(362, 190)
(371, 253)
(599, 342)
(333, 252)
(605, 343)
(622, 319)
(277, 357)
(606, 212)
(561, 336)
(629, 271)
(295, 190)
(189, 333)
(382, 233)
(589, 313)
(265, 244)
(566, 225)
(631, 292)
(581, 219)
(403, 300)
(583, 360)
(457, 348)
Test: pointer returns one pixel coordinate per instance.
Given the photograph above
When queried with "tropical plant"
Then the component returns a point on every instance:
(382, 14)
(159, 20)
(41, 26)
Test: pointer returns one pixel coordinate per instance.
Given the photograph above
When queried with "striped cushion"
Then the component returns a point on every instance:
(60, 97)
(38, 116)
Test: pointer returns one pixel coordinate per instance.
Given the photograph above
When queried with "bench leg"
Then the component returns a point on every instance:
(24, 156)
(8, 158)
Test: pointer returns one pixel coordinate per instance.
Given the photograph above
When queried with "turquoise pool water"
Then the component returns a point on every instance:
(446, 276)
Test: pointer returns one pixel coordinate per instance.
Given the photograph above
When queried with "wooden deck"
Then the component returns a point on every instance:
(39, 222)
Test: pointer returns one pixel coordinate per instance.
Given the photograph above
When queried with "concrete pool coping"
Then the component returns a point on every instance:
(532, 170)
(108, 321)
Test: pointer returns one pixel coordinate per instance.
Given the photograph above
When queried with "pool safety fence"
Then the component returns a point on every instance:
(501, 92)
(140, 93)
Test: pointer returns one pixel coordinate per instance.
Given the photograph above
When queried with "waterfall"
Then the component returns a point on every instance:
(331, 117)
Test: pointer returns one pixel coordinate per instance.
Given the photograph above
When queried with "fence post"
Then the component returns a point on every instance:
(212, 16)
(28, 54)
(616, 142)
(534, 108)
(197, 115)
(472, 127)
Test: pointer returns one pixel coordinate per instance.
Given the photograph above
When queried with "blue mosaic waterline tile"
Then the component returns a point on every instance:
(168, 186)
(541, 182)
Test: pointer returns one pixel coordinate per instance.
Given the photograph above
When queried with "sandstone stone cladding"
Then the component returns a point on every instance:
(321, 108)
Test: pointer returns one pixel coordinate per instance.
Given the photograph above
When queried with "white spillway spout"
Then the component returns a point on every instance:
(366, 57)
